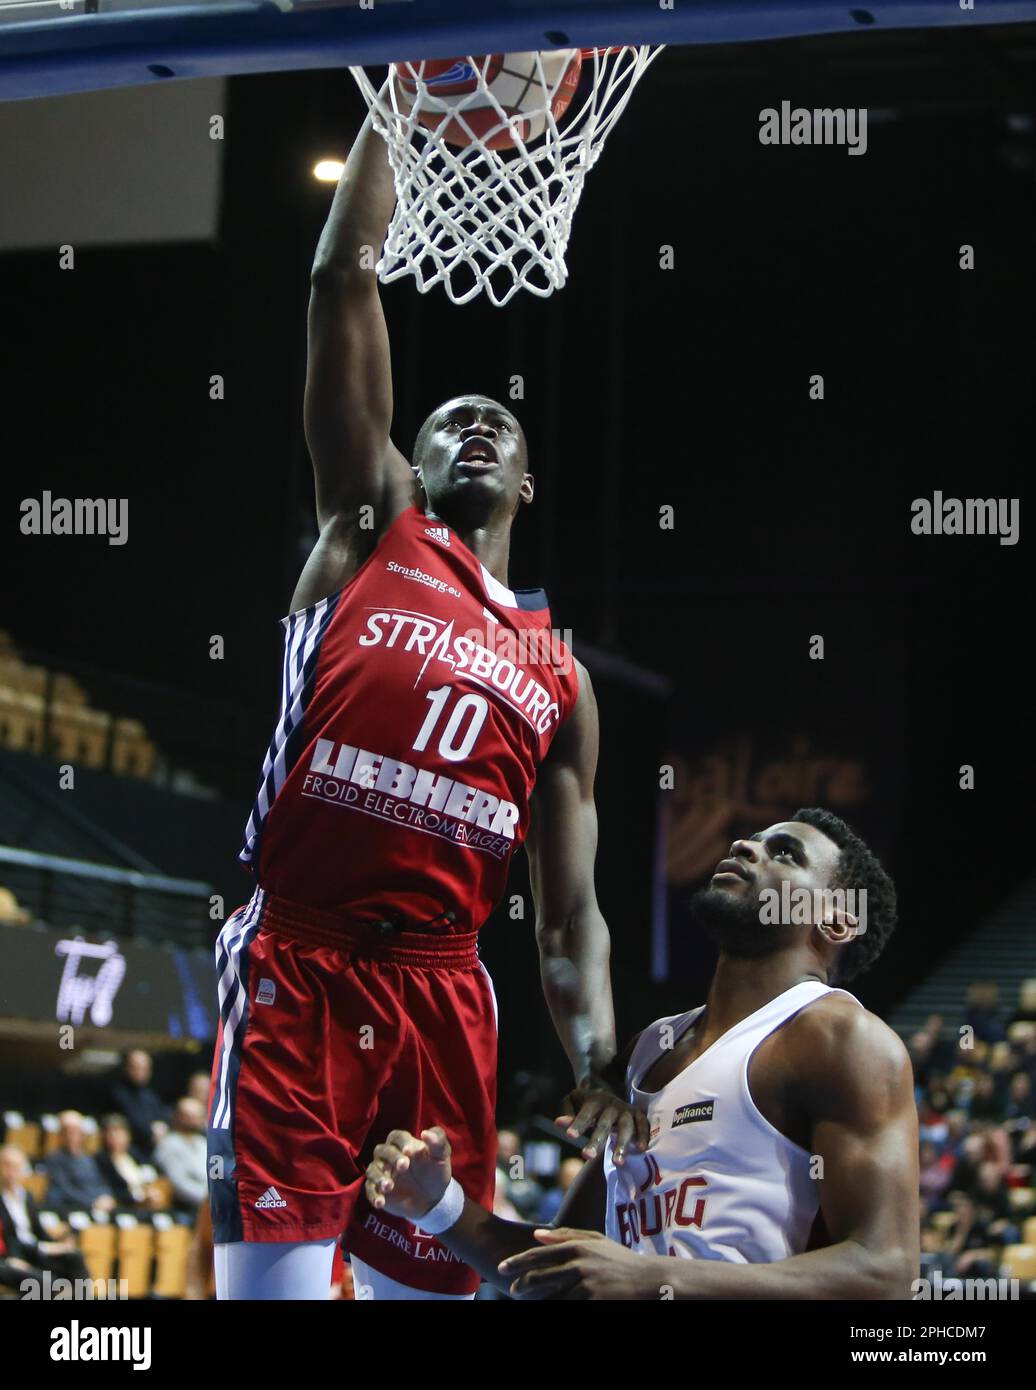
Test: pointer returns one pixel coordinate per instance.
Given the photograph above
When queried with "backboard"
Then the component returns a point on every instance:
(56, 46)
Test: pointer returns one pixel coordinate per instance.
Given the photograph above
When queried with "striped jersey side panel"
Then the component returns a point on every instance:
(304, 632)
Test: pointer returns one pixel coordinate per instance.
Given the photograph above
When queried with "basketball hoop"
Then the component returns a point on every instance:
(478, 218)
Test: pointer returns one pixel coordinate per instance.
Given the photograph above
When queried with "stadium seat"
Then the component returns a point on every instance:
(1029, 1231)
(133, 753)
(1019, 1262)
(1022, 1198)
(164, 1187)
(136, 1248)
(97, 1244)
(25, 1135)
(93, 1140)
(21, 721)
(80, 735)
(12, 915)
(36, 1183)
(172, 1247)
(51, 1133)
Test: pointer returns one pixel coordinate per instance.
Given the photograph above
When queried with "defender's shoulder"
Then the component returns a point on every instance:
(836, 1040)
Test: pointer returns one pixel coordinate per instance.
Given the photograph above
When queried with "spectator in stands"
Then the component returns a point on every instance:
(1026, 1010)
(1019, 1096)
(198, 1088)
(942, 1048)
(181, 1155)
(1027, 1062)
(551, 1203)
(1025, 1143)
(127, 1180)
(965, 1174)
(966, 1247)
(27, 1251)
(922, 1049)
(524, 1194)
(956, 1131)
(983, 1012)
(993, 1213)
(970, 1059)
(130, 1093)
(932, 1121)
(936, 1171)
(933, 1254)
(74, 1182)
(985, 1104)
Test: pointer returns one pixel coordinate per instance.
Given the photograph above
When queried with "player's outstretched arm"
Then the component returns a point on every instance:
(570, 928)
(348, 400)
(409, 1175)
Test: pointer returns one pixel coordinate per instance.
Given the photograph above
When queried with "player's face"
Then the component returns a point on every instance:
(733, 909)
(473, 455)
(790, 851)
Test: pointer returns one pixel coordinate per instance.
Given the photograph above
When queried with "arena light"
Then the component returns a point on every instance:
(328, 170)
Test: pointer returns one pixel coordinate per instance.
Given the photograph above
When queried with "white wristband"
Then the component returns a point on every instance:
(446, 1211)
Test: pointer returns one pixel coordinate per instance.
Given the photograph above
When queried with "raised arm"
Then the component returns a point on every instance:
(348, 401)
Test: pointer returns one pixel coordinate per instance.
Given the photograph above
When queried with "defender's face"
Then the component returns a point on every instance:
(474, 449)
(789, 851)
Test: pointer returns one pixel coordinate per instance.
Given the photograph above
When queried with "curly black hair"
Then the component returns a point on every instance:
(858, 868)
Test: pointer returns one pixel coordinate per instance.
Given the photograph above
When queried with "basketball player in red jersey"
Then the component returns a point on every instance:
(782, 1161)
(422, 699)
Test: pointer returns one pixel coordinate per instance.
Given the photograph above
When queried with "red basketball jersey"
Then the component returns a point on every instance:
(416, 705)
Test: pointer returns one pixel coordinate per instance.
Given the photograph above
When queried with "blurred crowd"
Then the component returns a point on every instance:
(141, 1158)
(974, 1083)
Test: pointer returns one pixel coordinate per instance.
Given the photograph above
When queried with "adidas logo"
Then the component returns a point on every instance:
(438, 533)
(271, 1198)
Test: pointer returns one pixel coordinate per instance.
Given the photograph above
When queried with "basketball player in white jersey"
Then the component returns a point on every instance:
(782, 1160)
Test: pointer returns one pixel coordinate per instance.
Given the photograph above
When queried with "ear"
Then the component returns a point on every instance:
(527, 488)
(839, 927)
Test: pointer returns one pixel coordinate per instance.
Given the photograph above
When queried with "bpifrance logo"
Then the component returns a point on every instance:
(694, 1113)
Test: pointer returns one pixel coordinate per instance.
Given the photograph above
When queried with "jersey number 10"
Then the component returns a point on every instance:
(456, 741)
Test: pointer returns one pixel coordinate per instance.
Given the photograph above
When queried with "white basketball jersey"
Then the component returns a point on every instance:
(717, 1182)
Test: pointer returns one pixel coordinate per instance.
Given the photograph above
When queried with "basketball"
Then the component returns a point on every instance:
(495, 98)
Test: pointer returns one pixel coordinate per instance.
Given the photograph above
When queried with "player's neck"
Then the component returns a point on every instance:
(744, 984)
(489, 541)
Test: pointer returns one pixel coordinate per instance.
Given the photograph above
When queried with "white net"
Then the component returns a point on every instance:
(479, 219)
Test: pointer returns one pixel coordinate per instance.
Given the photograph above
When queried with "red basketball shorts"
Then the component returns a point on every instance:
(330, 1036)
